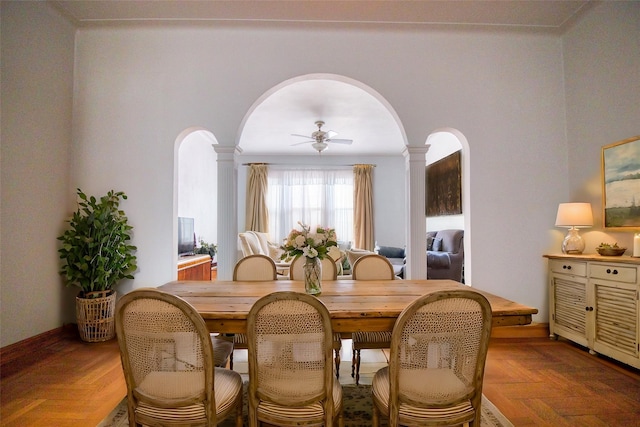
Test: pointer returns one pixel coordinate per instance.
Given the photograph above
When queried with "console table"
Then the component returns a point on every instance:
(593, 301)
(194, 267)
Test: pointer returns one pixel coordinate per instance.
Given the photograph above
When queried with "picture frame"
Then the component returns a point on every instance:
(444, 186)
(620, 166)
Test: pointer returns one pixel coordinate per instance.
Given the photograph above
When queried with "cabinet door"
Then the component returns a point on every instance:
(616, 321)
(569, 308)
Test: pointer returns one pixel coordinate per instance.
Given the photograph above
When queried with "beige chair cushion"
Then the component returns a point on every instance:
(227, 386)
(275, 252)
(268, 410)
(381, 392)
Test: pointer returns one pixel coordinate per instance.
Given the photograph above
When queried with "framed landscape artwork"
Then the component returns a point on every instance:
(444, 193)
(621, 184)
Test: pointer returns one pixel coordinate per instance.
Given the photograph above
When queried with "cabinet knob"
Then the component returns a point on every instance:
(611, 272)
(566, 267)
(588, 308)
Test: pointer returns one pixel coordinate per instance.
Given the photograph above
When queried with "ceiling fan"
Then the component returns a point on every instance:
(320, 139)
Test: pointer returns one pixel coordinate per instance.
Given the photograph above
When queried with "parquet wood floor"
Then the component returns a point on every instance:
(539, 382)
(533, 381)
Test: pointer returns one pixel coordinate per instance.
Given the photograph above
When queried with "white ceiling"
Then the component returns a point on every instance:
(295, 107)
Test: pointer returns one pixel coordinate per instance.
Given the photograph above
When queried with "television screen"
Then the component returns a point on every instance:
(186, 236)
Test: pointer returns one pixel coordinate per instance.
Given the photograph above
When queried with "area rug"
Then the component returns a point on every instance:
(357, 407)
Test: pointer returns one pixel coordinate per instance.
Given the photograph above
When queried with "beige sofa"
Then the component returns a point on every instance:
(256, 242)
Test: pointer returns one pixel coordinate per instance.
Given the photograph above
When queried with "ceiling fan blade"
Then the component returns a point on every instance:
(330, 134)
(303, 142)
(341, 141)
(302, 136)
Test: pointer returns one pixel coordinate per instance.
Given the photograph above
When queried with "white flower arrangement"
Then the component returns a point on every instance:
(317, 244)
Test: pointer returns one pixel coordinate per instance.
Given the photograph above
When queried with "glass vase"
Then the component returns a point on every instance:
(312, 276)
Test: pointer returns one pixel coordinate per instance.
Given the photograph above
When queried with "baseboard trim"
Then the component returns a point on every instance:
(534, 330)
(25, 349)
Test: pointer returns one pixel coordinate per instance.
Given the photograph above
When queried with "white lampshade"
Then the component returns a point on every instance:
(577, 215)
(574, 216)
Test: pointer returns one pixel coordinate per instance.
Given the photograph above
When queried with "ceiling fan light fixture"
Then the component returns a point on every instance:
(320, 146)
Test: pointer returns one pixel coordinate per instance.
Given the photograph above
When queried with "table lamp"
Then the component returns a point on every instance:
(574, 216)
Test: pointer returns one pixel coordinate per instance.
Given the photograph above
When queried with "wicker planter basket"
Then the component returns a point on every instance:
(96, 317)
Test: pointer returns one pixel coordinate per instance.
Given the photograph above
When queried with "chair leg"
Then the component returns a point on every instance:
(355, 366)
(239, 419)
(231, 361)
(337, 357)
(376, 416)
(358, 369)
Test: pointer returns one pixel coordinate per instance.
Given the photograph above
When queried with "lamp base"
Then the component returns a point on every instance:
(573, 243)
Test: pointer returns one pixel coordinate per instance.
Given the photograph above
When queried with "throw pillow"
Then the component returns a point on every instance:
(391, 252)
(275, 252)
(437, 244)
(429, 243)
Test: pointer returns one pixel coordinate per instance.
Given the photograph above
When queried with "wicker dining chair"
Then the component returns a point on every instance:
(369, 267)
(168, 363)
(252, 268)
(329, 272)
(436, 366)
(290, 365)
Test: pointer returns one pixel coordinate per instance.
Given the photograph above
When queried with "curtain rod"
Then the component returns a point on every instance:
(299, 165)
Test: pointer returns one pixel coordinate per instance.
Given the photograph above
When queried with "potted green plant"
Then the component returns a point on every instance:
(206, 249)
(97, 256)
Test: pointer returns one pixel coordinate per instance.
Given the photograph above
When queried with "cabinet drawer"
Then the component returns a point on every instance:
(616, 273)
(574, 268)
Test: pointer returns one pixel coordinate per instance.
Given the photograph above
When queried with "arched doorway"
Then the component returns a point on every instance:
(444, 142)
(195, 184)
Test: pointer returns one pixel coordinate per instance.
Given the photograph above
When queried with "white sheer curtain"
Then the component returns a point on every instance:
(314, 197)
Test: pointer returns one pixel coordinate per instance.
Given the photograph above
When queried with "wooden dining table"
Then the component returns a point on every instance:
(354, 306)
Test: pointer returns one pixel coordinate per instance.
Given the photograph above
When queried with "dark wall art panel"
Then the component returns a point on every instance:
(444, 187)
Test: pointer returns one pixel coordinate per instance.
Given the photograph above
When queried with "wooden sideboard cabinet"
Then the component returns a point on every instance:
(594, 301)
(194, 267)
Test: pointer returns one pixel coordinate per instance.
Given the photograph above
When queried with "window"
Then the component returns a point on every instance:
(314, 197)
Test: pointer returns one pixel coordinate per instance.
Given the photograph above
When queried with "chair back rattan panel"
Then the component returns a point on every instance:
(254, 268)
(372, 267)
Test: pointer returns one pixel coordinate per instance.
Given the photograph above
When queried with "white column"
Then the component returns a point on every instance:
(416, 232)
(227, 210)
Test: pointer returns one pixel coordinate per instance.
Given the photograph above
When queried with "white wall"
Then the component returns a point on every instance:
(602, 66)
(137, 88)
(37, 89)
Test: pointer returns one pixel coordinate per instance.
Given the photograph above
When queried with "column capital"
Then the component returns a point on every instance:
(416, 152)
(226, 152)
